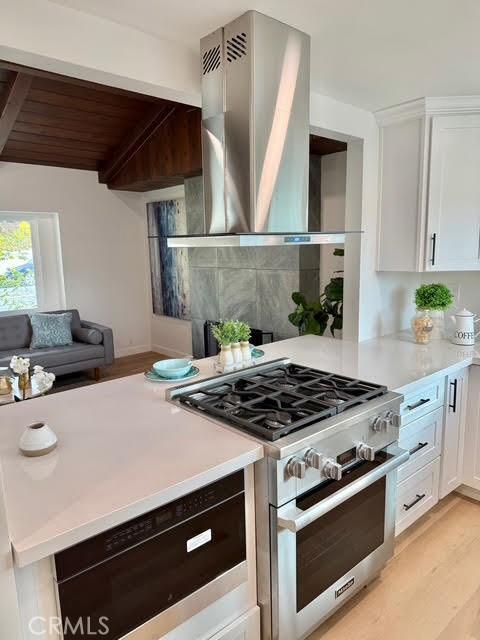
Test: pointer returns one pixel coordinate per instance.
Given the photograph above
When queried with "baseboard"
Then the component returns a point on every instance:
(131, 351)
(158, 348)
(469, 492)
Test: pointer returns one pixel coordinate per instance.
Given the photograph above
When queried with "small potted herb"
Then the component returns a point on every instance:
(233, 337)
(224, 333)
(431, 301)
(243, 334)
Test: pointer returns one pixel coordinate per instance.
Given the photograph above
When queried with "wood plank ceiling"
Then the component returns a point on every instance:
(133, 141)
(52, 120)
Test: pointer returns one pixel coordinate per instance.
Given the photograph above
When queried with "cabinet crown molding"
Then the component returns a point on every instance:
(429, 106)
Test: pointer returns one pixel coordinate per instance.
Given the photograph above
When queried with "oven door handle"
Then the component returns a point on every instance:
(295, 519)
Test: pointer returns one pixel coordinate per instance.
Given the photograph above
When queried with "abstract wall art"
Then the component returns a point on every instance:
(168, 267)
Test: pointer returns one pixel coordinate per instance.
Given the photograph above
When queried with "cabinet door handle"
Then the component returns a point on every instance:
(419, 446)
(419, 496)
(434, 248)
(411, 407)
(453, 405)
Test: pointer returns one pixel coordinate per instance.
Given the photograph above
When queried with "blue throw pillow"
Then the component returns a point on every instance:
(51, 330)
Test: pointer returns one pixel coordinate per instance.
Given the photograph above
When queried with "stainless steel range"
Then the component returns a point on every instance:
(325, 492)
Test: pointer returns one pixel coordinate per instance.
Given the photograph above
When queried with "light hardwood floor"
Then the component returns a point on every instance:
(129, 365)
(430, 590)
(126, 366)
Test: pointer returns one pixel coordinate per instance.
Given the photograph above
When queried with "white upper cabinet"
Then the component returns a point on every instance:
(453, 227)
(429, 186)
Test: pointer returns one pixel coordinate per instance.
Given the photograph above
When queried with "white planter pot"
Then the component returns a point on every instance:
(237, 355)
(226, 357)
(246, 352)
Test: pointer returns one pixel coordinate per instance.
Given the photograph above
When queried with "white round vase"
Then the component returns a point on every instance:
(37, 440)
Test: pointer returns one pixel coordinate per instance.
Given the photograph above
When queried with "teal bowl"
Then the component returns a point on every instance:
(172, 369)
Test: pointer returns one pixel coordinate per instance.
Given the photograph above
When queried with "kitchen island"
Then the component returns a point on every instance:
(124, 450)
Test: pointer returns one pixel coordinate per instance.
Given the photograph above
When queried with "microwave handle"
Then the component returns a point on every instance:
(295, 519)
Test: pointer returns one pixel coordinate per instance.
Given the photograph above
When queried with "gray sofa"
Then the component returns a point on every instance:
(88, 351)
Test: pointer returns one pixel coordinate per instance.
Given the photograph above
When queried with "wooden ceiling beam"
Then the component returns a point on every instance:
(135, 140)
(13, 101)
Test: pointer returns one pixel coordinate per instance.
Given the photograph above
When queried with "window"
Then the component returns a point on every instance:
(31, 274)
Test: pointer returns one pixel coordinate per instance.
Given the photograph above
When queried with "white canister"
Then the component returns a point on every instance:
(464, 328)
(237, 355)
(37, 440)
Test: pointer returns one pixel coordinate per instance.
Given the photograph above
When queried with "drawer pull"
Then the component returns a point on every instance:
(453, 405)
(419, 446)
(419, 496)
(411, 407)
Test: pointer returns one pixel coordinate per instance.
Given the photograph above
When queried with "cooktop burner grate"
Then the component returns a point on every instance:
(278, 401)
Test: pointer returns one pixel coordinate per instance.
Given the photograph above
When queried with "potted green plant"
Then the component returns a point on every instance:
(314, 317)
(243, 334)
(431, 301)
(225, 333)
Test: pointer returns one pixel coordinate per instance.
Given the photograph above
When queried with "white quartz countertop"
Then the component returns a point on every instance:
(124, 450)
(395, 361)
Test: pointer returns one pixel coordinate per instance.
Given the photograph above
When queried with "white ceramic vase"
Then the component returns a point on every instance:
(246, 352)
(226, 357)
(37, 440)
(237, 355)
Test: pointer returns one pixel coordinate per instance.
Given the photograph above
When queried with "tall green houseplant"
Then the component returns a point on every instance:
(314, 317)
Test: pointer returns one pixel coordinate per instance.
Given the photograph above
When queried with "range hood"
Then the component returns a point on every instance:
(255, 136)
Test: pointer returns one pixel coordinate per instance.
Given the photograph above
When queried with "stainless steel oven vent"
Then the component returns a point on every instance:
(237, 47)
(211, 59)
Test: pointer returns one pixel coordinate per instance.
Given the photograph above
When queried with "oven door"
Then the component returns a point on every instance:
(330, 542)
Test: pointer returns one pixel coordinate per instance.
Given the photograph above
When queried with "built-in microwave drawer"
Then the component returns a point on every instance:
(423, 439)
(423, 399)
(417, 495)
(126, 577)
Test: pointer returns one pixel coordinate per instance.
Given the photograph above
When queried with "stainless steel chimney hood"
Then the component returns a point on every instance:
(255, 136)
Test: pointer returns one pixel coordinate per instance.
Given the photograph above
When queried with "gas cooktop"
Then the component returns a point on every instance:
(279, 400)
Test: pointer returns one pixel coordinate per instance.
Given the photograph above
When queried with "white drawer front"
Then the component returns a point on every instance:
(424, 398)
(417, 495)
(423, 438)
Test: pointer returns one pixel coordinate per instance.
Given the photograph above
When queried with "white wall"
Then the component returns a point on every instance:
(103, 236)
(333, 184)
(399, 290)
(48, 36)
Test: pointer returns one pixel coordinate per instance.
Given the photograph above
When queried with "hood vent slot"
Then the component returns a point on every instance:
(211, 60)
(237, 47)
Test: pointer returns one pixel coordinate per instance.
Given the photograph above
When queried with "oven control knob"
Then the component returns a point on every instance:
(394, 419)
(313, 459)
(380, 423)
(332, 470)
(296, 468)
(365, 452)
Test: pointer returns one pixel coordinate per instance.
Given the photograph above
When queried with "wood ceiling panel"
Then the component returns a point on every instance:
(49, 161)
(67, 122)
(80, 104)
(102, 95)
(49, 118)
(66, 113)
(27, 148)
(324, 146)
(19, 136)
(54, 131)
